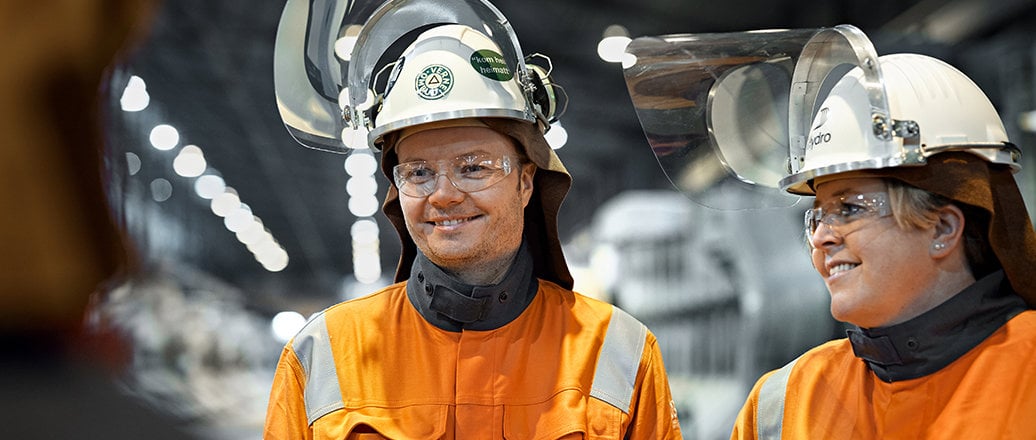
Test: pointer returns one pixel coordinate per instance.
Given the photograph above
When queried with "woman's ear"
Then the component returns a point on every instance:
(949, 231)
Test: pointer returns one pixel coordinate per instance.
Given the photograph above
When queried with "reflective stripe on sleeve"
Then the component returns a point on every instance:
(770, 415)
(312, 346)
(617, 365)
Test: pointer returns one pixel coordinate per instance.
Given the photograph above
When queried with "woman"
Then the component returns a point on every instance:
(933, 263)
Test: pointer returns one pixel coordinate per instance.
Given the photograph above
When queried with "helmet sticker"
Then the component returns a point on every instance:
(821, 118)
(434, 82)
(491, 64)
(816, 136)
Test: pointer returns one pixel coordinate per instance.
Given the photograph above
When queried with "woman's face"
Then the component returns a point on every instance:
(878, 273)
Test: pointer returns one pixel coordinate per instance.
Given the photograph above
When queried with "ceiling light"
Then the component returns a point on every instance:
(224, 203)
(135, 97)
(275, 266)
(189, 162)
(358, 186)
(238, 219)
(133, 163)
(285, 325)
(613, 43)
(252, 233)
(209, 186)
(363, 205)
(164, 137)
(557, 136)
(367, 267)
(1027, 121)
(361, 164)
(355, 138)
(364, 231)
(161, 190)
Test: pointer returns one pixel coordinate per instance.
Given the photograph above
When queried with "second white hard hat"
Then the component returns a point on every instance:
(933, 108)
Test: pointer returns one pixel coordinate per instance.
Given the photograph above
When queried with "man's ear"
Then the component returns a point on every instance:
(525, 182)
(949, 230)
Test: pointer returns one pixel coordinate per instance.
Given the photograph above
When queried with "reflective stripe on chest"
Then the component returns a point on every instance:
(614, 379)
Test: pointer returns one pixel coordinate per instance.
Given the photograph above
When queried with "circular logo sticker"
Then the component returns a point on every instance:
(491, 65)
(434, 82)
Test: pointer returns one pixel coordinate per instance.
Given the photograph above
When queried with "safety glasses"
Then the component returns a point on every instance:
(468, 173)
(845, 210)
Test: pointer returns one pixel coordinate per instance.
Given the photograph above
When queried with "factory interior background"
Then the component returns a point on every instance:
(243, 233)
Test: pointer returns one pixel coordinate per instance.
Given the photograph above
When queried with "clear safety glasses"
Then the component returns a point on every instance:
(845, 210)
(470, 173)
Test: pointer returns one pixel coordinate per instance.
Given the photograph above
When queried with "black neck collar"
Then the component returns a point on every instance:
(452, 305)
(931, 341)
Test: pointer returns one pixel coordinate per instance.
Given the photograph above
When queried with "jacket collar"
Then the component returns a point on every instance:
(931, 341)
(452, 305)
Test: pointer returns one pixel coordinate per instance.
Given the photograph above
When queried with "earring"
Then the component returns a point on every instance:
(938, 246)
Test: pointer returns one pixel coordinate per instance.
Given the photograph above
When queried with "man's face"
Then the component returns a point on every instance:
(465, 231)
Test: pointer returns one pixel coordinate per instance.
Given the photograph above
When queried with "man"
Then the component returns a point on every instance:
(481, 336)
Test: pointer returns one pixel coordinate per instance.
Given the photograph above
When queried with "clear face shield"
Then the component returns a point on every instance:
(728, 115)
(335, 60)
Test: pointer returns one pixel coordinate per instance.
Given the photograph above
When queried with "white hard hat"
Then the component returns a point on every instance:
(332, 59)
(739, 120)
(450, 72)
(932, 108)
(465, 63)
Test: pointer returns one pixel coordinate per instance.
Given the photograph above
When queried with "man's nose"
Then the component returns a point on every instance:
(444, 193)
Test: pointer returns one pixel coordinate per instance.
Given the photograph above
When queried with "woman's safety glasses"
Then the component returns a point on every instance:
(845, 210)
(469, 173)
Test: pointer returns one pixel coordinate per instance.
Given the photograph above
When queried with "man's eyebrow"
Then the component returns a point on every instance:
(472, 153)
(465, 155)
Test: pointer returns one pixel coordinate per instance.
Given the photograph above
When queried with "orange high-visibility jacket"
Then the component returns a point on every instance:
(567, 367)
(828, 393)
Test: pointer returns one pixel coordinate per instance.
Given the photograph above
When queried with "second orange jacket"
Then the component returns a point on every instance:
(988, 393)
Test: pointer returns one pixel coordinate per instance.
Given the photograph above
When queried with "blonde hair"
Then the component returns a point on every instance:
(915, 208)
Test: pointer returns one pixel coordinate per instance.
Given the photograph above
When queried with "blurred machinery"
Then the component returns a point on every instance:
(197, 352)
(729, 294)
